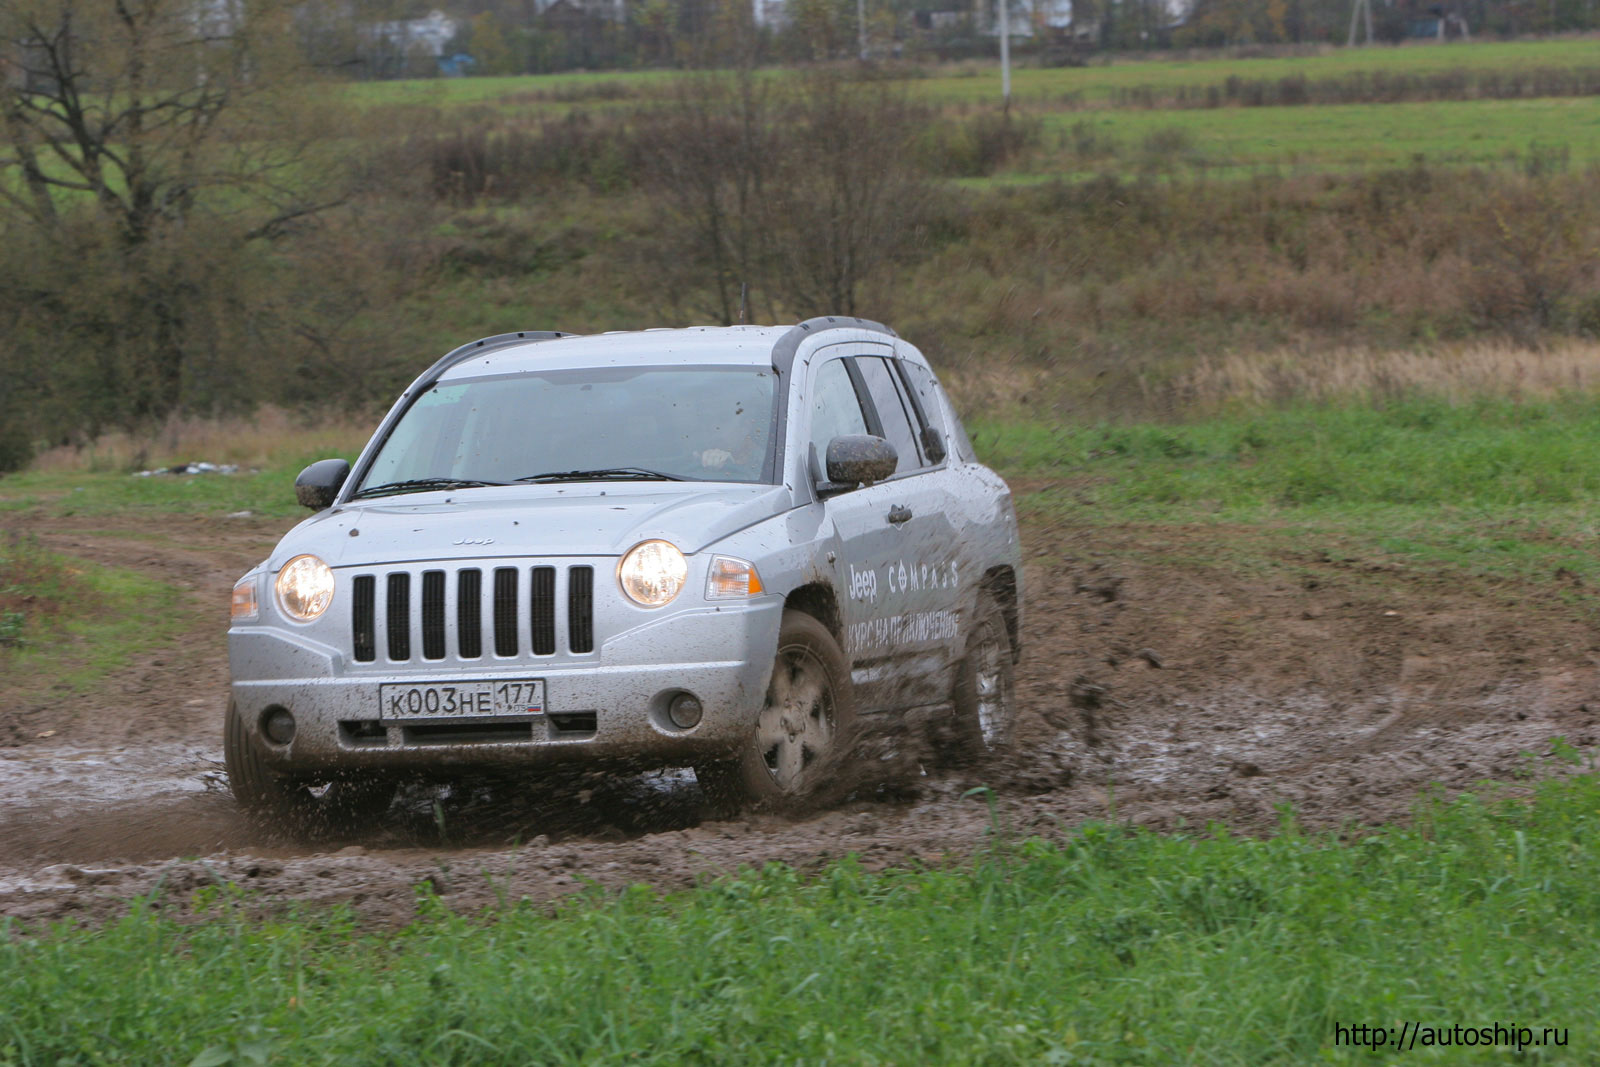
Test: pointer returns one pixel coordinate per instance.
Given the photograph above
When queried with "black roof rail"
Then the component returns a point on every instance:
(783, 352)
(486, 344)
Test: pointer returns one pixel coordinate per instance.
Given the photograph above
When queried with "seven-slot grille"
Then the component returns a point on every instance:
(521, 603)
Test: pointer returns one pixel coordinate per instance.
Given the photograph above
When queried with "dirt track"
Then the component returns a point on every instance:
(1153, 674)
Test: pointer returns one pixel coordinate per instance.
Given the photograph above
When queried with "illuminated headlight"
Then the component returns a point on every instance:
(305, 588)
(245, 608)
(652, 573)
(732, 579)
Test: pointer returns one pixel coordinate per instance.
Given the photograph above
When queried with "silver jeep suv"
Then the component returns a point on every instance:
(725, 548)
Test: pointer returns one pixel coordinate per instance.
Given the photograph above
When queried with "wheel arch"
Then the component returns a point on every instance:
(818, 600)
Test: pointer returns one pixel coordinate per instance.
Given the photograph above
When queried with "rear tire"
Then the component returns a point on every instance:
(282, 802)
(803, 733)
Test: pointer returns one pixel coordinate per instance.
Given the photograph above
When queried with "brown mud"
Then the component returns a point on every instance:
(1159, 686)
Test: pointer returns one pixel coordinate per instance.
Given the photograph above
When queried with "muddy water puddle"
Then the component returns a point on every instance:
(32, 776)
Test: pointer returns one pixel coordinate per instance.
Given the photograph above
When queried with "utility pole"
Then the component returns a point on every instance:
(861, 27)
(1005, 52)
(1361, 7)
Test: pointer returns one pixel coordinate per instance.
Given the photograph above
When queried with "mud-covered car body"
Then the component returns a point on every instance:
(484, 625)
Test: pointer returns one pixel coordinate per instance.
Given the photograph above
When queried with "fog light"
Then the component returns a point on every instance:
(278, 725)
(685, 711)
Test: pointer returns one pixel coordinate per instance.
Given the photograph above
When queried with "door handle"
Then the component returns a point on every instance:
(898, 514)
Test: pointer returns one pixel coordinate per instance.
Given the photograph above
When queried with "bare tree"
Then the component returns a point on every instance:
(849, 198)
(146, 137)
(711, 152)
(797, 187)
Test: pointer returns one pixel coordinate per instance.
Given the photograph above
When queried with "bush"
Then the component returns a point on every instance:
(16, 444)
(493, 158)
(977, 146)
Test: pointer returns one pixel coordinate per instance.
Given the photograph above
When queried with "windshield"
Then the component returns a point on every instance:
(672, 423)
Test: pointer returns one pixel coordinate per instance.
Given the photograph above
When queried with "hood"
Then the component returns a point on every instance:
(531, 520)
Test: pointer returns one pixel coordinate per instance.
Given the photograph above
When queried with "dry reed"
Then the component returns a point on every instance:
(1455, 373)
(271, 437)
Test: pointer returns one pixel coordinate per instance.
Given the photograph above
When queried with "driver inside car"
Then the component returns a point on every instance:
(737, 448)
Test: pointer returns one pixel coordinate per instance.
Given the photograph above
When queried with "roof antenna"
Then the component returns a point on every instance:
(744, 302)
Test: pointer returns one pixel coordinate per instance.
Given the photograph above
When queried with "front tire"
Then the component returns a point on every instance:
(803, 732)
(984, 693)
(259, 789)
(282, 802)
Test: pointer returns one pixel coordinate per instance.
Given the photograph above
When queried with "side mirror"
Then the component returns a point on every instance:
(860, 459)
(319, 483)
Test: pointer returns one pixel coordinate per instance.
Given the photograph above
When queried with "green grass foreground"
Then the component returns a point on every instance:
(1121, 946)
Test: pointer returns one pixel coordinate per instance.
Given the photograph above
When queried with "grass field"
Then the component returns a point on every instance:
(1031, 86)
(1118, 947)
(269, 493)
(1336, 138)
(1036, 87)
(66, 624)
(554, 91)
(1489, 492)
(1491, 454)
(1228, 139)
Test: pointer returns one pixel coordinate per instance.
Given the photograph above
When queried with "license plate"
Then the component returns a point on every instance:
(518, 696)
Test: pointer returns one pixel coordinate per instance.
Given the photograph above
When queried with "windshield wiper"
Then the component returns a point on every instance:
(643, 474)
(418, 485)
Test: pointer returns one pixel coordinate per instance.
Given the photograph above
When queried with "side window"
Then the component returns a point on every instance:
(835, 408)
(924, 397)
(935, 401)
(892, 412)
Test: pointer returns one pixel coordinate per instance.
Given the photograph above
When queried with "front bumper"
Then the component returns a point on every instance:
(609, 706)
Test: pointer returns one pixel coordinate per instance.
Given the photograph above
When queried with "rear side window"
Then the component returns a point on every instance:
(928, 408)
(892, 413)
